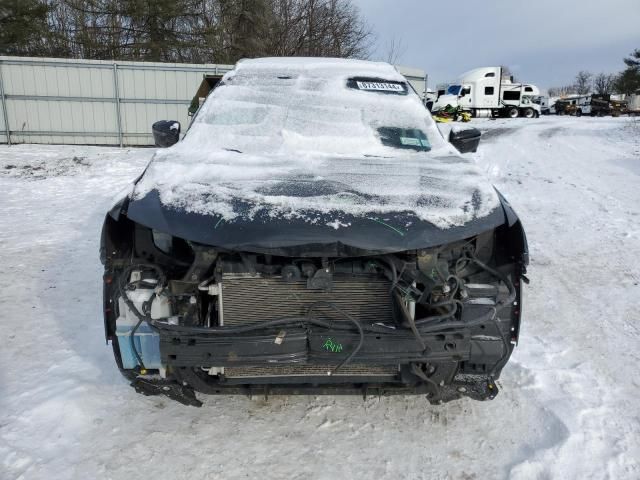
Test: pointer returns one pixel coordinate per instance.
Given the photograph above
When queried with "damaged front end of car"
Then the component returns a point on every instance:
(314, 317)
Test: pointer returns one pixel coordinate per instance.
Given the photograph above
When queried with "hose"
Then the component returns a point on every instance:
(459, 323)
(506, 301)
(415, 369)
(352, 320)
(438, 318)
(122, 284)
(501, 276)
(410, 320)
(426, 325)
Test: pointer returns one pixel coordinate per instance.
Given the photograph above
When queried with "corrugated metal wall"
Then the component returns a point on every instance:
(52, 100)
(48, 100)
(416, 77)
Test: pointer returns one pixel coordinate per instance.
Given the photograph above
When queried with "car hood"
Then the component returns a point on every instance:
(318, 207)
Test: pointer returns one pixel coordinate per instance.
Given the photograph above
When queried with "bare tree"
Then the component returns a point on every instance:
(603, 83)
(583, 82)
(220, 31)
(561, 91)
(395, 50)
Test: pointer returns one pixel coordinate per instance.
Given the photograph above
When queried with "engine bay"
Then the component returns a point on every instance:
(441, 321)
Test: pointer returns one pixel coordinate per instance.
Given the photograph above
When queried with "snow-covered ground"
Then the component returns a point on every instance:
(569, 404)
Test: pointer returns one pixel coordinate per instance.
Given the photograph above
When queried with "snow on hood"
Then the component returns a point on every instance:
(288, 137)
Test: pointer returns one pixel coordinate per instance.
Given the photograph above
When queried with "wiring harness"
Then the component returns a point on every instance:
(447, 306)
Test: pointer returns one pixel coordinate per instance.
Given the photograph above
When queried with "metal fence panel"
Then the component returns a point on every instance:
(4, 122)
(50, 100)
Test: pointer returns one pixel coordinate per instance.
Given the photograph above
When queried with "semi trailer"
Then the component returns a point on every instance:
(485, 93)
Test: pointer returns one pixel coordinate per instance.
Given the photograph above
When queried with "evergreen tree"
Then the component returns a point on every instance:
(629, 80)
(23, 26)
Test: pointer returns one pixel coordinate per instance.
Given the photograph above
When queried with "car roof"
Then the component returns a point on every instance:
(322, 67)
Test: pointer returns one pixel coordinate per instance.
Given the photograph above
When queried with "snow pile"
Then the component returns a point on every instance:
(290, 137)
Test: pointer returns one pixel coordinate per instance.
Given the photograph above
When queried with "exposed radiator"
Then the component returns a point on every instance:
(252, 299)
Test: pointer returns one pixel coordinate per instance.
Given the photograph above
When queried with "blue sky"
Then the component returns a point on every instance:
(545, 42)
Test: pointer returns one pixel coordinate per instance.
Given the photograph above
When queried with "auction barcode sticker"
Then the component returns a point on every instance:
(389, 87)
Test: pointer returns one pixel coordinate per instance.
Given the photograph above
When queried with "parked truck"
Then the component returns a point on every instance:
(576, 105)
(485, 93)
(633, 104)
(601, 105)
(543, 101)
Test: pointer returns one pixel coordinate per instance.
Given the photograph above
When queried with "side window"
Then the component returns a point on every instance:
(488, 90)
(528, 89)
(509, 95)
(490, 74)
(465, 91)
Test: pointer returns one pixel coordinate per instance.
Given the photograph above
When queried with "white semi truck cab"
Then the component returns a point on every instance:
(484, 93)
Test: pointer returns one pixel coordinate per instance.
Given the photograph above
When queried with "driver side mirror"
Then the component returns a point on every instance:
(466, 140)
(166, 133)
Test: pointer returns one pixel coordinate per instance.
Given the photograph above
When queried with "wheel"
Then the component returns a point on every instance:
(513, 112)
(529, 113)
(578, 113)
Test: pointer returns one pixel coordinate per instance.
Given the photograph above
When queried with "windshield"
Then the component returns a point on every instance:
(274, 110)
(454, 89)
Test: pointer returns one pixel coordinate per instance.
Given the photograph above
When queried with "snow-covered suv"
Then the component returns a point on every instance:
(313, 233)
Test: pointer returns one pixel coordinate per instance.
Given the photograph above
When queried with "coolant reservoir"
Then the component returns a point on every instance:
(160, 307)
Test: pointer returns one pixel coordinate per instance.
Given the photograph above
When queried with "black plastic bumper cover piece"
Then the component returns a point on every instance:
(185, 350)
(298, 346)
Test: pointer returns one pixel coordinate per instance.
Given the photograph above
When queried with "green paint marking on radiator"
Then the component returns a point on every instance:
(331, 346)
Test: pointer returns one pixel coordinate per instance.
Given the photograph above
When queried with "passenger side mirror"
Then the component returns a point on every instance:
(166, 133)
(466, 140)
